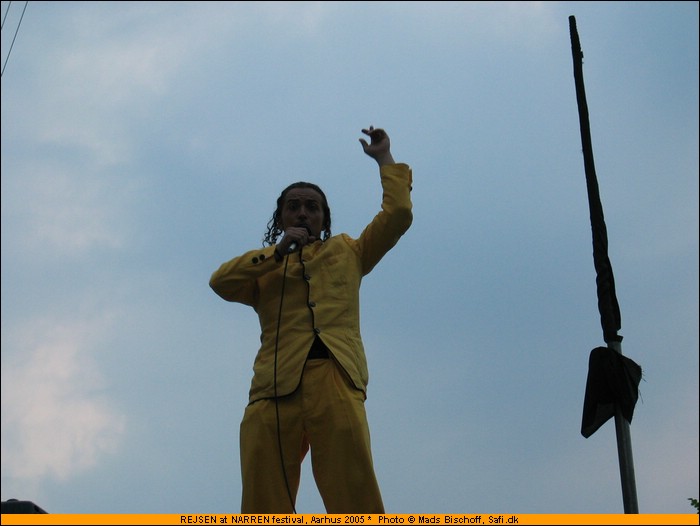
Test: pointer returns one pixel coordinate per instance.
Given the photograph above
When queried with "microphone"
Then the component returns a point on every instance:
(294, 245)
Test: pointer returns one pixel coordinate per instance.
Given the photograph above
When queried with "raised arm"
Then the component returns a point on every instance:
(379, 148)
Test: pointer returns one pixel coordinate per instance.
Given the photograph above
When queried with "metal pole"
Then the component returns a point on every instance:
(624, 453)
(607, 301)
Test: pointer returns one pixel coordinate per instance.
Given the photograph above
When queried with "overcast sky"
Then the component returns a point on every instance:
(145, 143)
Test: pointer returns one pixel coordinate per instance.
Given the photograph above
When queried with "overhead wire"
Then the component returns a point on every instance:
(15, 35)
(6, 12)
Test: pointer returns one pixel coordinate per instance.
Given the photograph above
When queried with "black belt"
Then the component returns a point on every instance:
(318, 350)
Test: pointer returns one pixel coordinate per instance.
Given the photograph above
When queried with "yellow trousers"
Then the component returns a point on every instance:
(325, 414)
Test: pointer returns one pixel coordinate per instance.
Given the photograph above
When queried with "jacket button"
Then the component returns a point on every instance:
(255, 261)
(312, 304)
(317, 330)
(307, 277)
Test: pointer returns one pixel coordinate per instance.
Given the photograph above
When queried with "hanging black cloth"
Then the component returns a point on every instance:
(613, 379)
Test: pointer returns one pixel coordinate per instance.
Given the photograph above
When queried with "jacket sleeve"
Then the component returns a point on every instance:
(394, 219)
(236, 280)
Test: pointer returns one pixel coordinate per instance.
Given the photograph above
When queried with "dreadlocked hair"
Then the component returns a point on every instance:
(273, 226)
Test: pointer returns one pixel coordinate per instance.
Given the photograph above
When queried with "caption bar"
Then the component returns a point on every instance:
(350, 519)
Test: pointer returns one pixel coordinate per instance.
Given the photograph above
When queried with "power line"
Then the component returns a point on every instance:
(14, 37)
(7, 11)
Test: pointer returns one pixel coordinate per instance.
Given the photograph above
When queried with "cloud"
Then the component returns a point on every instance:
(56, 420)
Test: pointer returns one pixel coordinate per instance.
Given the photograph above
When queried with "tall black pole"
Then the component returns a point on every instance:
(607, 301)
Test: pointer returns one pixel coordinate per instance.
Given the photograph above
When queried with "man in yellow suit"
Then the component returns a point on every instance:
(310, 373)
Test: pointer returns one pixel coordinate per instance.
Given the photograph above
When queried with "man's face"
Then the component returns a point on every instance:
(303, 206)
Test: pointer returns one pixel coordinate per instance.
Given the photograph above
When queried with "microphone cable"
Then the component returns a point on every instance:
(277, 409)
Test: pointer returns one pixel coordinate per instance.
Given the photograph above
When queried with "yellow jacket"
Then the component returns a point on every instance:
(321, 292)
